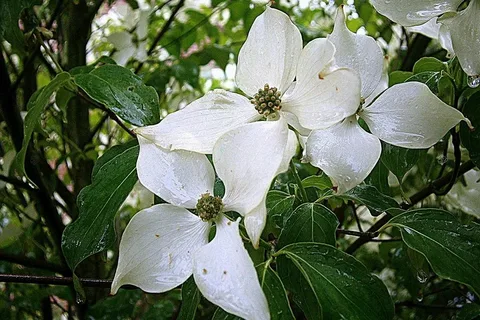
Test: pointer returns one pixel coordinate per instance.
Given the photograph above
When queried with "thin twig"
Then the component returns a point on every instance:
(33, 263)
(162, 32)
(16, 182)
(303, 193)
(417, 197)
(59, 281)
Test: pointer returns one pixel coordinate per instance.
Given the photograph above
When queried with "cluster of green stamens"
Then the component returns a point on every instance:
(267, 100)
(209, 207)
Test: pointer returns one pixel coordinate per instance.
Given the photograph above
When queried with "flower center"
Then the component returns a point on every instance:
(267, 100)
(209, 207)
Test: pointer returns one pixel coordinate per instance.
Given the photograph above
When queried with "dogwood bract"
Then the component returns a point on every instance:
(165, 244)
(462, 26)
(268, 63)
(407, 115)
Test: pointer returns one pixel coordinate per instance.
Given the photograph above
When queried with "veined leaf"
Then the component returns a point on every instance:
(279, 206)
(399, 160)
(275, 292)
(451, 248)
(123, 92)
(114, 176)
(190, 300)
(37, 103)
(310, 222)
(342, 286)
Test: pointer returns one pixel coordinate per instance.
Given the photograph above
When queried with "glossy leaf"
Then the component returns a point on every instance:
(379, 178)
(342, 285)
(221, 314)
(275, 292)
(398, 77)
(37, 103)
(298, 287)
(376, 201)
(310, 222)
(430, 78)
(279, 206)
(321, 182)
(190, 300)
(9, 16)
(123, 92)
(114, 176)
(471, 139)
(429, 64)
(451, 248)
(399, 160)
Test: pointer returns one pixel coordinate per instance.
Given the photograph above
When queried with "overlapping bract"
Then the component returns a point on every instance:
(461, 27)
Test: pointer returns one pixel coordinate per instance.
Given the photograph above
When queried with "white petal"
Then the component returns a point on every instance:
(414, 12)
(289, 152)
(225, 275)
(157, 247)
(358, 52)
(409, 115)
(122, 56)
(199, 125)
(382, 86)
(430, 28)
(178, 177)
(316, 58)
(142, 25)
(247, 159)
(255, 222)
(465, 34)
(324, 101)
(292, 120)
(467, 198)
(120, 40)
(345, 152)
(445, 40)
(270, 53)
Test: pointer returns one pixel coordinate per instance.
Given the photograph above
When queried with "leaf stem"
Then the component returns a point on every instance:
(40, 40)
(303, 193)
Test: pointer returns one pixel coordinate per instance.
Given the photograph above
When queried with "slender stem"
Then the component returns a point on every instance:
(33, 263)
(303, 193)
(16, 182)
(360, 234)
(417, 197)
(39, 38)
(60, 281)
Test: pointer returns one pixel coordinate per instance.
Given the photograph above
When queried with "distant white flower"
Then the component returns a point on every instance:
(131, 43)
(406, 115)
(463, 26)
(467, 196)
(165, 244)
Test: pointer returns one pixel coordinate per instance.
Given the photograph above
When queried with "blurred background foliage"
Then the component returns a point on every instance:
(183, 49)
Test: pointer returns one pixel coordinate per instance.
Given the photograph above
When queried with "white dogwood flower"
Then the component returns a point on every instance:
(407, 115)
(462, 26)
(165, 244)
(131, 43)
(268, 63)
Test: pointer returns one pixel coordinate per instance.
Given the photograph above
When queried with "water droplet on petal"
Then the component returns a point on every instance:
(473, 81)
(422, 276)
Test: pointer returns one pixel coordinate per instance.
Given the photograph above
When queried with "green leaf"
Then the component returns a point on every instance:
(279, 206)
(321, 182)
(379, 178)
(275, 292)
(399, 160)
(451, 248)
(190, 300)
(342, 285)
(221, 314)
(10, 11)
(310, 222)
(426, 64)
(469, 311)
(37, 103)
(186, 71)
(471, 139)
(430, 78)
(123, 92)
(299, 288)
(376, 201)
(113, 177)
(398, 77)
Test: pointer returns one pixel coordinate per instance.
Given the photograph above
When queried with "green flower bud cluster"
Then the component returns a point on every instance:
(267, 100)
(209, 207)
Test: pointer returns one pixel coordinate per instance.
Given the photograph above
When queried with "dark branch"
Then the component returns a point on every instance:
(16, 182)
(33, 263)
(59, 281)
(417, 197)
